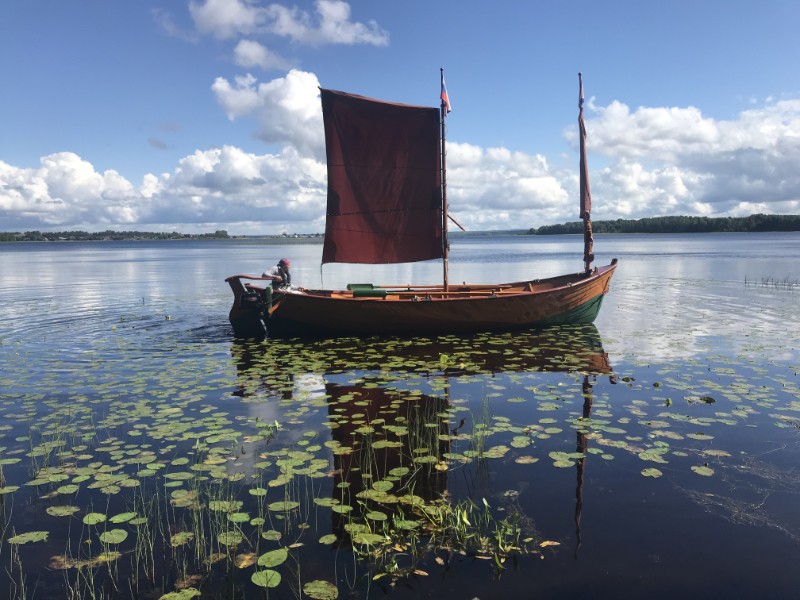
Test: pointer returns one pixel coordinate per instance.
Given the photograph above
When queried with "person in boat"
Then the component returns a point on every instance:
(280, 275)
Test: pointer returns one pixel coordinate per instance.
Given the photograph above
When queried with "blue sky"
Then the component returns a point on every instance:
(204, 114)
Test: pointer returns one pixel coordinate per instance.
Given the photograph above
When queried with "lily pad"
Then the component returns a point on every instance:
(703, 470)
(283, 506)
(181, 538)
(94, 518)
(230, 538)
(368, 538)
(225, 505)
(239, 517)
(266, 579)
(61, 511)
(123, 517)
(273, 558)
(714, 452)
(31, 536)
(113, 536)
(521, 441)
(382, 486)
(326, 501)
(321, 590)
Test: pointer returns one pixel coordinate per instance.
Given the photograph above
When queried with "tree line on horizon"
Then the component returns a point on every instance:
(73, 236)
(678, 224)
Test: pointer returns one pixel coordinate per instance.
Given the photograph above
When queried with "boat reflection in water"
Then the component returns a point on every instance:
(562, 348)
(388, 449)
(391, 444)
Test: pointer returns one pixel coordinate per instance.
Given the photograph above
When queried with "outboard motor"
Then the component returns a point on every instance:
(251, 300)
(250, 309)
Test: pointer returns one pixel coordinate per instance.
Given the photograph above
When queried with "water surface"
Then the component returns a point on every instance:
(653, 454)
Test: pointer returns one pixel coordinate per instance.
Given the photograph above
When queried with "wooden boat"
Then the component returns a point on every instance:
(387, 203)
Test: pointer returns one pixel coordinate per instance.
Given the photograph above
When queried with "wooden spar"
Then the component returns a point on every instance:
(445, 241)
(585, 192)
(460, 226)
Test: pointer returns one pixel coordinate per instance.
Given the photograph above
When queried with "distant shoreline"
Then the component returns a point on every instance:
(291, 241)
(753, 224)
(145, 236)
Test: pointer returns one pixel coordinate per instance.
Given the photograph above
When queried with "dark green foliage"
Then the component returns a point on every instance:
(679, 224)
(53, 236)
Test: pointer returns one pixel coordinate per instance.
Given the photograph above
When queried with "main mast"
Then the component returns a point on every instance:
(444, 109)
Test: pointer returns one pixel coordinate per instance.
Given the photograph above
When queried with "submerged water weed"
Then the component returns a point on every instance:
(388, 451)
(397, 548)
(787, 283)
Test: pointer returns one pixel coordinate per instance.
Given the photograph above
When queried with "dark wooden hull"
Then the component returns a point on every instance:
(567, 299)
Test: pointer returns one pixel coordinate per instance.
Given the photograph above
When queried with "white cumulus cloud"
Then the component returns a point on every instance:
(64, 189)
(226, 18)
(643, 162)
(330, 23)
(287, 109)
(249, 54)
(678, 161)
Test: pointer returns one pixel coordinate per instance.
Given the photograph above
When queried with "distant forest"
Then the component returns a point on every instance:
(679, 225)
(74, 236)
(650, 225)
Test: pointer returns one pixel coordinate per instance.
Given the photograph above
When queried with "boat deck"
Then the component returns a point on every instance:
(407, 292)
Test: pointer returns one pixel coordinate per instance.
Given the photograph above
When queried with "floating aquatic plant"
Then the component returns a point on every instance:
(193, 467)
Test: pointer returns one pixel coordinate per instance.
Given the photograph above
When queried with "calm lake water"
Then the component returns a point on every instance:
(144, 451)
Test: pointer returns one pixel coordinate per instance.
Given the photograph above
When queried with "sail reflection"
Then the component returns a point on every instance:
(393, 446)
(387, 454)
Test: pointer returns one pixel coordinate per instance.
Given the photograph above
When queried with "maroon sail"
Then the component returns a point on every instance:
(586, 194)
(384, 181)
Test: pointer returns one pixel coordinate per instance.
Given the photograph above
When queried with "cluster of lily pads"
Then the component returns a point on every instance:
(145, 474)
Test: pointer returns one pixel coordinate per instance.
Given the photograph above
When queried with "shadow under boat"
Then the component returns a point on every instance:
(562, 348)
